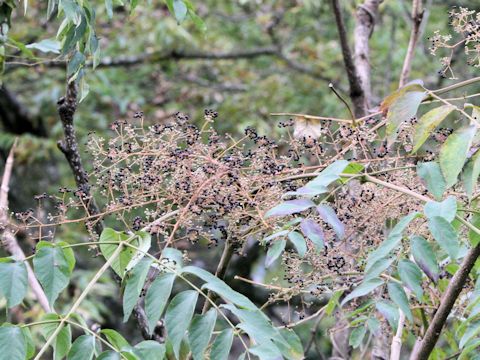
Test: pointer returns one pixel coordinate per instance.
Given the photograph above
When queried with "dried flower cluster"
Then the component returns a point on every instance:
(466, 25)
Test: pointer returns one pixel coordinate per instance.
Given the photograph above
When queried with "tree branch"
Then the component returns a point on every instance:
(357, 94)
(67, 106)
(417, 17)
(367, 14)
(9, 240)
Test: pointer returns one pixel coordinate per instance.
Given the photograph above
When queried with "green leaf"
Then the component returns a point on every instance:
(290, 207)
(222, 345)
(12, 343)
(313, 232)
(266, 351)
(393, 240)
(83, 348)
(143, 241)
(157, 297)
(378, 267)
(471, 173)
(453, 152)
(178, 316)
(134, 285)
(115, 339)
(274, 251)
(472, 235)
(299, 242)
(402, 105)
(330, 217)
(399, 297)
(470, 346)
(13, 281)
(110, 236)
(356, 336)
(328, 175)
(411, 276)
(446, 236)
(389, 311)
(425, 257)
(46, 46)
(446, 209)
(431, 174)
(180, 10)
(110, 355)
(30, 345)
(52, 269)
(108, 6)
(364, 288)
(63, 340)
(333, 302)
(290, 344)
(427, 124)
(75, 64)
(352, 169)
(473, 329)
(149, 350)
(219, 287)
(200, 333)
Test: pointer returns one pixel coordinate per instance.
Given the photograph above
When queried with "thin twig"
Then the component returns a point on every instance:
(9, 240)
(417, 17)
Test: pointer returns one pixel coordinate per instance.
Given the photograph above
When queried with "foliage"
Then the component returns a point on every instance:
(361, 225)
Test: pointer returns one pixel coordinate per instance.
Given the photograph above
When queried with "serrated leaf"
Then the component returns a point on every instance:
(157, 297)
(290, 207)
(222, 345)
(75, 64)
(425, 257)
(428, 122)
(83, 348)
(445, 235)
(12, 343)
(134, 285)
(453, 153)
(200, 333)
(399, 297)
(402, 105)
(63, 341)
(13, 282)
(411, 276)
(149, 350)
(313, 232)
(178, 316)
(364, 288)
(274, 251)
(52, 269)
(356, 336)
(352, 168)
(265, 351)
(298, 242)
(330, 174)
(290, 344)
(431, 174)
(446, 209)
(330, 217)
